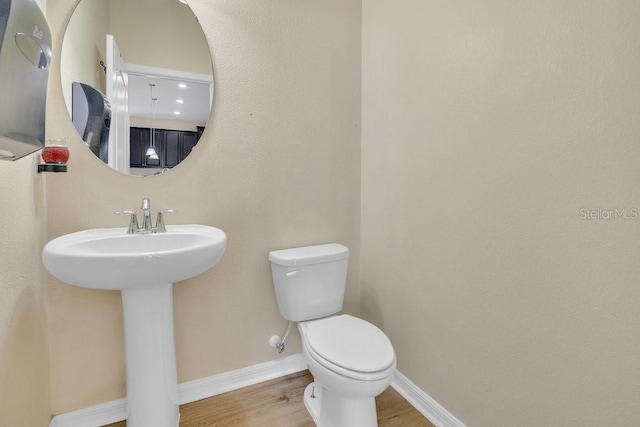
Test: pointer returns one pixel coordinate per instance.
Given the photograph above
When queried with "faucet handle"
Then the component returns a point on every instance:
(133, 222)
(160, 227)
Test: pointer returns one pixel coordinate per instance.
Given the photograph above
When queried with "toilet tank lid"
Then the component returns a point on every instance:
(306, 255)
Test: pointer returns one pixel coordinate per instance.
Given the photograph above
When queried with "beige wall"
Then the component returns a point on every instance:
(24, 364)
(279, 167)
(24, 356)
(487, 127)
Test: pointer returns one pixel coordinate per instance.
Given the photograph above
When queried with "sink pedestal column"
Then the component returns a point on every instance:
(150, 357)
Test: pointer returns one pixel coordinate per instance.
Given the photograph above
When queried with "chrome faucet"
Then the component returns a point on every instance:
(147, 227)
(146, 215)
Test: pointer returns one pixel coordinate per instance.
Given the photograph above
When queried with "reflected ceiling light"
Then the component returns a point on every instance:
(182, 85)
(180, 101)
(177, 113)
(151, 151)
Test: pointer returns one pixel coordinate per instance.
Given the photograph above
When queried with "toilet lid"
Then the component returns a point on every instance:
(351, 343)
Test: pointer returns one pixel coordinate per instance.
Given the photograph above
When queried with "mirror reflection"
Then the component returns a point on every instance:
(137, 81)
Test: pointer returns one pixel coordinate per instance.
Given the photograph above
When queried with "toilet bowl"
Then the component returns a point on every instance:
(351, 360)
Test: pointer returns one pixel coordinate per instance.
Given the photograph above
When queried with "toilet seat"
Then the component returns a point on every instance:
(351, 347)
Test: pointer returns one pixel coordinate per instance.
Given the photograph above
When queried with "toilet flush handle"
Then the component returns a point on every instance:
(292, 273)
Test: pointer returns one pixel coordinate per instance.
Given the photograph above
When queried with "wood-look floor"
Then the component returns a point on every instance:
(279, 403)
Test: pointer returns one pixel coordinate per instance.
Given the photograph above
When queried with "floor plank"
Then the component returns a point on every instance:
(279, 403)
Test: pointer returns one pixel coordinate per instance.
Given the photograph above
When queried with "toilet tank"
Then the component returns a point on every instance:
(310, 281)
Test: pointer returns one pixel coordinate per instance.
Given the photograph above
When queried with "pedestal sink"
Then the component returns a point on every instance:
(143, 267)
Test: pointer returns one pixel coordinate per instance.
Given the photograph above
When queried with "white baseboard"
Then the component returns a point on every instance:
(93, 416)
(116, 410)
(420, 400)
(212, 386)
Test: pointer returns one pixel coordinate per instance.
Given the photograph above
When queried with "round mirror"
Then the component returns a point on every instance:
(137, 81)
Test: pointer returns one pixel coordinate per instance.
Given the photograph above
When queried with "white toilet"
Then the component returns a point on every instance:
(351, 360)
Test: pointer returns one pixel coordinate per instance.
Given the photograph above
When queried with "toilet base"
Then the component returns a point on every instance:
(312, 401)
(329, 409)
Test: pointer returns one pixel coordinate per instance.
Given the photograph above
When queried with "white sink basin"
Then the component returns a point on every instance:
(143, 267)
(108, 258)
